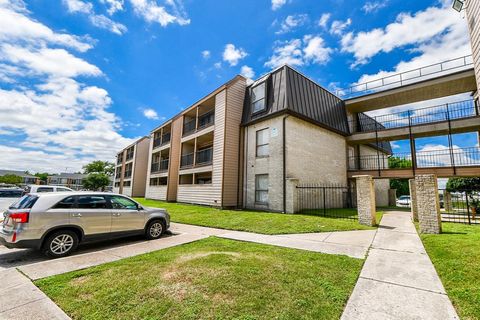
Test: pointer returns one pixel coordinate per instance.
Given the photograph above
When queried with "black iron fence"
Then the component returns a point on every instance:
(460, 207)
(334, 201)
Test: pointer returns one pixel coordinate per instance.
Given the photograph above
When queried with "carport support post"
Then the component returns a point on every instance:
(366, 200)
(428, 203)
(413, 199)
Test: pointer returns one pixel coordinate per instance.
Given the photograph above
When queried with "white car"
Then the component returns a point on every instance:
(35, 188)
(403, 201)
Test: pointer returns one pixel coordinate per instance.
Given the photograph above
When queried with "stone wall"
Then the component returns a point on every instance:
(413, 199)
(366, 200)
(428, 204)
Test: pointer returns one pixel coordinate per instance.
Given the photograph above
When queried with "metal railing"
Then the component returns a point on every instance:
(448, 157)
(205, 120)
(204, 156)
(444, 112)
(160, 166)
(129, 156)
(404, 78)
(334, 201)
(119, 160)
(189, 127)
(128, 174)
(157, 142)
(186, 160)
(166, 138)
(461, 206)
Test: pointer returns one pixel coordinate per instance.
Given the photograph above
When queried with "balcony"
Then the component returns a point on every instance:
(186, 160)
(129, 156)
(204, 157)
(161, 140)
(128, 174)
(206, 120)
(161, 166)
(189, 127)
(119, 160)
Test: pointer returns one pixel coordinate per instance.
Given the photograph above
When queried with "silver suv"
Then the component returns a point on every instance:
(56, 223)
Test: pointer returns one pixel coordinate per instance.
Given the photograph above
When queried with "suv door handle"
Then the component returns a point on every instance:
(76, 214)
(116, 214)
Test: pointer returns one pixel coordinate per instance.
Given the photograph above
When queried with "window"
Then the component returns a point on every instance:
(117, 184)
(262, 143)
(11, 193)
(92, 202)
(162, 181)
(65, 203)
(63, 190)
(261, 188)
(123, 203)
(258, 98)
(25, 202)
(45, 189)
(203, 178)
(126, 183)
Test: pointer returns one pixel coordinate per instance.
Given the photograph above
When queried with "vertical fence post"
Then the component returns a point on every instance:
(450, 143)
(468, 208)
(413, 152)
(324, 202)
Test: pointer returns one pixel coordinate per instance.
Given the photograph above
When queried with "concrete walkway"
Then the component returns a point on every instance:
(398, 280)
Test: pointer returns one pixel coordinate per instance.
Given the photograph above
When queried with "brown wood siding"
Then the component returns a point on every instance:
(140, 165)
(233, 118)
(174, 164)
(473, 20)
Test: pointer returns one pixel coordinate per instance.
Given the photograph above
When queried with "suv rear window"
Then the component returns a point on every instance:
(11, 193)
(25, 202)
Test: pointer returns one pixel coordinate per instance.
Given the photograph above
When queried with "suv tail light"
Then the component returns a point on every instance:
(19, 217)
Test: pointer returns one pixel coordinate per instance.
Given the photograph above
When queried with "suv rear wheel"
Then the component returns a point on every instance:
(154, 229)
(60, 244)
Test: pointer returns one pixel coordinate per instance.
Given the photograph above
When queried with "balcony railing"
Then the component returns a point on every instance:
(404, 78)
(157, 142)
(189, 127)
(447, 157)
(161, 141)
(128, 174)
(444, 112)
(160, 166)
(129, 156)
(205, 120)
(119, 161)
(186, 160)
(166, 138)
(204, 157)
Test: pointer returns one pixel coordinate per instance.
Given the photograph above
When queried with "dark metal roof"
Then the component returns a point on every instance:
(291, 92)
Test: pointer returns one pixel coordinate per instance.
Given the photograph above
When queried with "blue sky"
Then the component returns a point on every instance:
(79, 80)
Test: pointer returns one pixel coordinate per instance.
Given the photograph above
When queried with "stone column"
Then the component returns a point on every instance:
(447, 201)
(428, 203)
(392, 197)
(292, 196)
(366, 200)
(413, 199)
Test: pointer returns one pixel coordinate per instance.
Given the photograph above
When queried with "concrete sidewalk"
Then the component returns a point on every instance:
(398, 280)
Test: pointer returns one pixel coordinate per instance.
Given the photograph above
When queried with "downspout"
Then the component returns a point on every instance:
(284, 134)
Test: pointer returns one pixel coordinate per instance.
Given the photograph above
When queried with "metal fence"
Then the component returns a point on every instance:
(334, 201)
(460, 207)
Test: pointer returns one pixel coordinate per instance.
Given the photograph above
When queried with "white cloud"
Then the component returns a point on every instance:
(291, 22)
(206, 54)
(232, 55)
(53, 120)
(297, 52)
(152, 12)
(438, 155)
(374, 6)
(150, 114)
(113, 5)
(98, 20)
(322, 22)
(217, 65)
(338, 27)
(316, 50)
(247, 72)
(430, 27)
(277, 4)
(16, 25)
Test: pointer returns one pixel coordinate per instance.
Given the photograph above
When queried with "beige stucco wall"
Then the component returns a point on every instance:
(313, 154)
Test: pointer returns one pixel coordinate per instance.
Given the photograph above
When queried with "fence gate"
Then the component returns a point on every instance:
(327, 200)
(460, 207)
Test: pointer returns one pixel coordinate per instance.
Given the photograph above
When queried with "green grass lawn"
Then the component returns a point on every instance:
(256, 221)
(210, 279)
(456, 256)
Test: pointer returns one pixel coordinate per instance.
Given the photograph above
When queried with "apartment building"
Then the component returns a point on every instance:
(241, 144)
(27, 178)
(70, 180)
(194, 157)
(131, 168)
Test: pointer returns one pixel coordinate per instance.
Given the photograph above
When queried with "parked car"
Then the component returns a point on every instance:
(403, 201)
(56, 223)
(35, 188)
(8, 196)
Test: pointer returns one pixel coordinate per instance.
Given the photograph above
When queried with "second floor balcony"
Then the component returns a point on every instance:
(202, 157)
(128, 174)
(160, 166)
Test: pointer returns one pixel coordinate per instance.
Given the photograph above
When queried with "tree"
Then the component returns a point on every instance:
(11, 179)
(43, 176)
(463, 184)
(401, 185)
(96, 180)
(106, 167)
